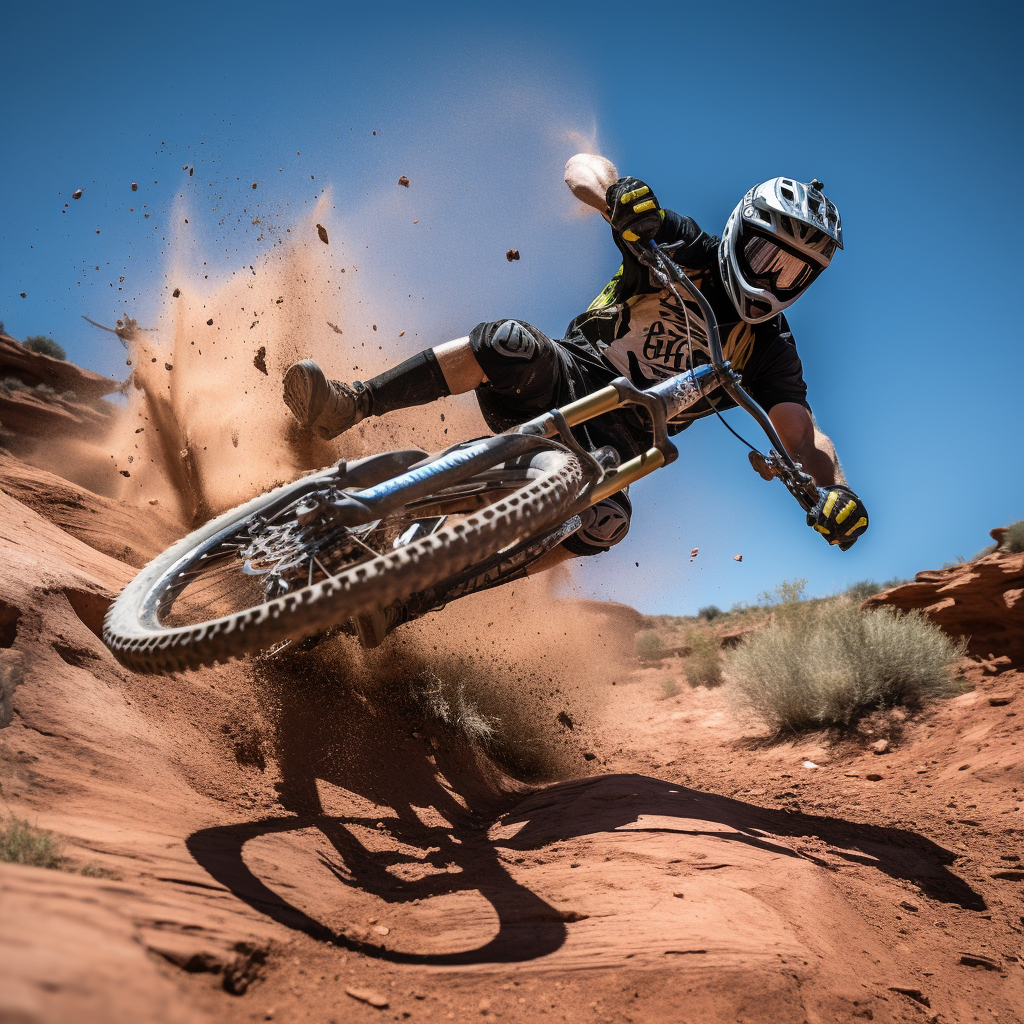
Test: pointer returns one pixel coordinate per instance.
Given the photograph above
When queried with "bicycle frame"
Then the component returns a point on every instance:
(665, 401)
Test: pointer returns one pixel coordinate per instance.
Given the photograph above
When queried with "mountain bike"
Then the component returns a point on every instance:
(361, 546)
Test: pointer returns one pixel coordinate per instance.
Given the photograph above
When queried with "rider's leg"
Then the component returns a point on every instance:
(330, 406)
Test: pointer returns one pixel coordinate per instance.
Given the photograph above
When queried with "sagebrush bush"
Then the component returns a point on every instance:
(22, 843)
(863, 590)
(649, 645)
(709, 612)
(703, 665)
(833, 663)
(44, 346)
(1013, 539)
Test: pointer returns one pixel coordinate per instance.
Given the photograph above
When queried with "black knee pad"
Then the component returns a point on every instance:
(518, 359)
(604, 525)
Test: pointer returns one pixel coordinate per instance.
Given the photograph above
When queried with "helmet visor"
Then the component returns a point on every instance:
(767, 265)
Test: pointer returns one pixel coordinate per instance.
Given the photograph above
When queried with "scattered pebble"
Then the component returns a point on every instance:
(977, 960)
(914, 993)
(168, 366)
(737, 558)
(209, 323)
(367, 995)
(124, 472)
(176, 293)
(1009, 875)
(135, 186)
(403, 181)
(77, 194)
(511, 255)
(693, 553)
(998, 700)
(381, 929)
(154, 501)
(401, 334)
(322, 232)
(335, 328)
(260, 359)
(254, 184)
(908, 906)
(22, 294)
(810, 764)
(880, 746)
(873, 777)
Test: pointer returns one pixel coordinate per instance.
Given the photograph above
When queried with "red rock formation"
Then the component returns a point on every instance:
(981, 600)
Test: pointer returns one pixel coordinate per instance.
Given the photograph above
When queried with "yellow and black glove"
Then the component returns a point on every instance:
(839, 516)
(633, 210)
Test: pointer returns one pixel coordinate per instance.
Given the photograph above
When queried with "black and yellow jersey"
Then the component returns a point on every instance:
(642, 332)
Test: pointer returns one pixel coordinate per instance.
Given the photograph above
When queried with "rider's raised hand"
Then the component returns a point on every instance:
(839, 516)
(633, 210)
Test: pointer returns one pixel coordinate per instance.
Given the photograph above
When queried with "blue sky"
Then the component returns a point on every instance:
(912, 344)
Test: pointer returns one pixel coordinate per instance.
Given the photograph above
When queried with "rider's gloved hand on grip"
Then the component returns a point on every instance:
(839, 516)
(633, 210)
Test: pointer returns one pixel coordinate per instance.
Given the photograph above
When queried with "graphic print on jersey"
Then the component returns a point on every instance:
(658, 338)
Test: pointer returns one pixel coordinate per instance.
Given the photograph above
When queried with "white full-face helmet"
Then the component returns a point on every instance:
(779, 238)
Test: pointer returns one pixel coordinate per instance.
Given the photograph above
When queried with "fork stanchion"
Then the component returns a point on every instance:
(615, 479)
(590, 406)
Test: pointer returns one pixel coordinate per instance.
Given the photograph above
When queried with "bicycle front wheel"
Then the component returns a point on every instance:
(279, 568)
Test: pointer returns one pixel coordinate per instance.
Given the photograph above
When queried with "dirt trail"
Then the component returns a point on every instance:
(276, 832)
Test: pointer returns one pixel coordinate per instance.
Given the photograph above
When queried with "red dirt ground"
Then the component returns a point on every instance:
(272, 844)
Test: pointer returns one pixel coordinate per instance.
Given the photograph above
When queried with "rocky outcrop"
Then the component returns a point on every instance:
(982, 601)
(42, 398)
(34, 368)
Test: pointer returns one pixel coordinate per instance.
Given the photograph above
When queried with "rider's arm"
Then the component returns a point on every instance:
(806, 442)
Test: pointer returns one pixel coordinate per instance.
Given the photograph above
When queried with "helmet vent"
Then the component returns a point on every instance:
(788, 194)
(764, 215)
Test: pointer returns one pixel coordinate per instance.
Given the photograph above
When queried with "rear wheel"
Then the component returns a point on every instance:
(280, 567)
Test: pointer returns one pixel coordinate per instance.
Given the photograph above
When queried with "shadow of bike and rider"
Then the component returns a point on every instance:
(363, 743)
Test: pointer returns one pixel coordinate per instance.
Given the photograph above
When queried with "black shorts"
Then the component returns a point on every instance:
(528, 373)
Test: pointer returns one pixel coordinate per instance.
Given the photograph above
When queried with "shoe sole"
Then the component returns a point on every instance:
(301, 393)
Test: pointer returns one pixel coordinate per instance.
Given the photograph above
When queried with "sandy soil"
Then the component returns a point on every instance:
(269, 842)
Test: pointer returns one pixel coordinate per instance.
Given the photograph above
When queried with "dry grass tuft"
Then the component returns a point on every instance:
(22, 843)
(1013, 539)
(828, 664)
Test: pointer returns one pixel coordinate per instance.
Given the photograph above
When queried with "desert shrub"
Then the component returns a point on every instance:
(44, 346)
(649, 645)
(444, 700)
(786, 592)
(703, 665)
(711, 611)
(22, 843)
(1013, 539)
(835, 663)
(863, 590)
(669, 688)
(11, 384)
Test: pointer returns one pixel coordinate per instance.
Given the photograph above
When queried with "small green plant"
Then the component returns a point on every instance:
(836, 663)
(1013, 539)
(703, 665)
(649, 646)
(709, 612)
(44, 346)
(863, 590)
(22, 843)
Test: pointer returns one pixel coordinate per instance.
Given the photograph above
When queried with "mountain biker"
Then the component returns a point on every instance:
(777, 240)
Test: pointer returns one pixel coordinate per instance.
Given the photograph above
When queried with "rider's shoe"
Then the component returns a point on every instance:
(373, 626)
(327, 407)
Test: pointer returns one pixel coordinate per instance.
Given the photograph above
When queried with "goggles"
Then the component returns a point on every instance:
(769, 266)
